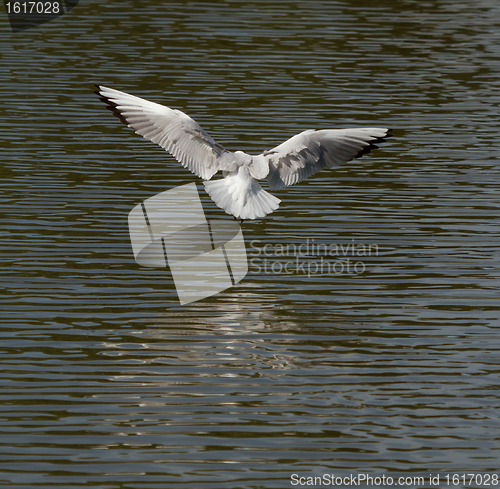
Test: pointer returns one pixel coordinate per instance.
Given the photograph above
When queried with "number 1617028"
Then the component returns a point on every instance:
(27, 8)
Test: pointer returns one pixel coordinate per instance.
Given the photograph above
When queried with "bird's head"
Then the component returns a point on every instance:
(242, 158)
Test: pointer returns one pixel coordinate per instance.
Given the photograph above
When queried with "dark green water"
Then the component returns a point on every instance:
(108, 382)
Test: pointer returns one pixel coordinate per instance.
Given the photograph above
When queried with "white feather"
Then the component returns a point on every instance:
(312, 151)
(238, 193)
(171, 129)
(241, 196)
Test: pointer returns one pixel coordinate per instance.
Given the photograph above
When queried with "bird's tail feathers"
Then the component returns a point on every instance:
(251, 202)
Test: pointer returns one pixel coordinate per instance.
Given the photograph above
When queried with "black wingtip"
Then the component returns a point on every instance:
(110, 105)
(374, 144)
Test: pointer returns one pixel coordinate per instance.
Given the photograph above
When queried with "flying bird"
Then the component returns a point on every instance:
(238, 192)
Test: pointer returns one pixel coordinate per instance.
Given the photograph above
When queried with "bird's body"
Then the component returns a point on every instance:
(238, 192)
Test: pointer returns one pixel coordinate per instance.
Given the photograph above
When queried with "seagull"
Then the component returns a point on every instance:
(238, 193)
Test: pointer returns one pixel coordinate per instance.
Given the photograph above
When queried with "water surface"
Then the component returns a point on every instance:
(109, 382)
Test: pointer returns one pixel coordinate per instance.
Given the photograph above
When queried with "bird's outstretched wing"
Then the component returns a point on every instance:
(311, 151)
(171, 129)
